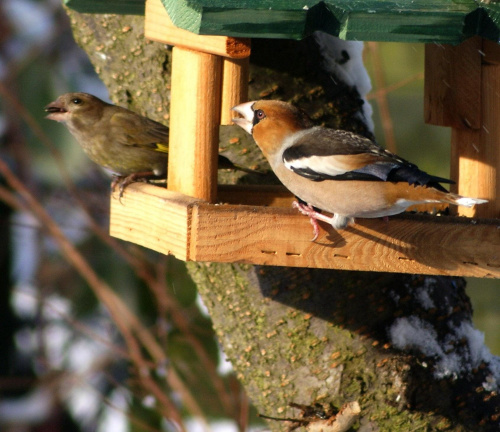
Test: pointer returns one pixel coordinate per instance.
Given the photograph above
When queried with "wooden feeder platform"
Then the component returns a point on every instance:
(194, 230)
(197, 219)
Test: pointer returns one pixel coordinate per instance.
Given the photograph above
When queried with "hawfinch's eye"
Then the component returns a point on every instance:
(76, 101)
(259, 114)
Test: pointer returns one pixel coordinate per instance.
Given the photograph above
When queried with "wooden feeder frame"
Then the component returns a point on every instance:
(257, 225)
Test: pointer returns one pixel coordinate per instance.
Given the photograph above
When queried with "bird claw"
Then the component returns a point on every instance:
(315, 225)
(124, 181)
(307, 210)
(117, 180)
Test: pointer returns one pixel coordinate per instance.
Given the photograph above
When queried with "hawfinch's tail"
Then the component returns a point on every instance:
(463, 201)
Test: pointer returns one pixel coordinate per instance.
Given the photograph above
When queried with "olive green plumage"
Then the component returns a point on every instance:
(129, 145)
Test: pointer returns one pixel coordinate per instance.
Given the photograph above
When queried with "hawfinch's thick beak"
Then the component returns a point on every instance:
(246, 112)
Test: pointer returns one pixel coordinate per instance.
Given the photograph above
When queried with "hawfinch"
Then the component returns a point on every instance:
(338, 171)
(127, 144)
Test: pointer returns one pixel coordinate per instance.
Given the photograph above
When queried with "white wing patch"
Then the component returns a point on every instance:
(328, 165)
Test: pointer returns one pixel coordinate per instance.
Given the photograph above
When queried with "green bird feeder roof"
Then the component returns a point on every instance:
(440, 21)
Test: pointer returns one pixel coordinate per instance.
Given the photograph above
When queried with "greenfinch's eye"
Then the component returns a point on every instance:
(77, 101)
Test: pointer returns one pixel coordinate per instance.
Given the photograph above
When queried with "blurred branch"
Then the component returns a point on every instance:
(75, 324)
(170, 303)
(119, 312)
(66, 381)
(14, 66)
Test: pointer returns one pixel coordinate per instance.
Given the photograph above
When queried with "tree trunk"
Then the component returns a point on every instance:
(403, 346)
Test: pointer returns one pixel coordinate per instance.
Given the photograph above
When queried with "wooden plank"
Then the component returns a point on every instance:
(422, 21)
(440, 21)
(159, 27)
(278, 236)
(152, 217)
(241, 18)
(235, 77)
(190, 229)
(194, 123)
(452, 88)
(443, 21)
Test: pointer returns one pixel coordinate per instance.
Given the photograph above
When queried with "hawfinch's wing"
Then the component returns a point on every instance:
(322, 153)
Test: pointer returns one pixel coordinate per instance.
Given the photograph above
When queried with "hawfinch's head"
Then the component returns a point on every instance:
(271, 122)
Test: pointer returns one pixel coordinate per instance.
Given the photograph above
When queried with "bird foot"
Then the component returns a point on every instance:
(124, 181)
(314, 216)
(336, 221)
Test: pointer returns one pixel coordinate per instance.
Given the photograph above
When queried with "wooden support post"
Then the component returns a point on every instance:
(462, 90)
(476, 153)
(196, 99)
(488, 157)
(194, 123)
(234, 86)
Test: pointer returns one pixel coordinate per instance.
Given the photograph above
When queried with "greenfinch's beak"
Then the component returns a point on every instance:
(56, 111)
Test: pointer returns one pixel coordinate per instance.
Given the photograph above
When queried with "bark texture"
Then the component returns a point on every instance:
(302, 335)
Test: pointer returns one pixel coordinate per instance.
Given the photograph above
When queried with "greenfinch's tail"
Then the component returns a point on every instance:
(225, 163)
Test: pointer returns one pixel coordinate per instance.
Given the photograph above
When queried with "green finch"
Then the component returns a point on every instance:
(129, 145)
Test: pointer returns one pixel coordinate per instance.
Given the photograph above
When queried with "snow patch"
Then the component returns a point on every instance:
(423, 297)
(414, 333)
(344, 59)
(417, 334)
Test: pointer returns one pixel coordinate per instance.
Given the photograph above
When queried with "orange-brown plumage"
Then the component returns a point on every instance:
(338, 171)
(286, 120)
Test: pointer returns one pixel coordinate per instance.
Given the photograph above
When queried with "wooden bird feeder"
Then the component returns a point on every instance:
(256, 224)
